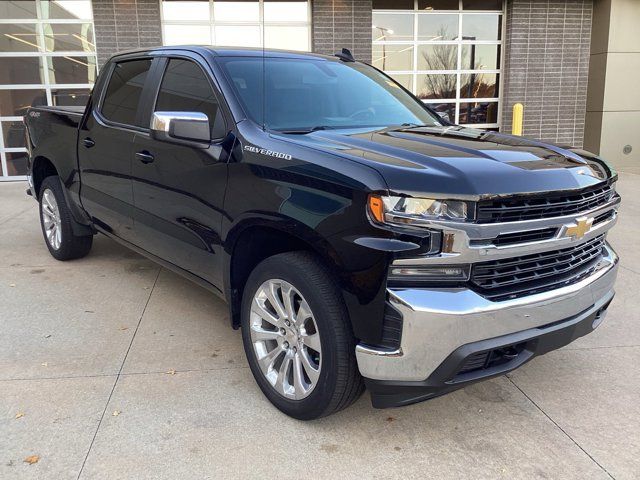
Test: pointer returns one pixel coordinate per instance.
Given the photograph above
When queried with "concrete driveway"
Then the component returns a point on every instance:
(117, 368)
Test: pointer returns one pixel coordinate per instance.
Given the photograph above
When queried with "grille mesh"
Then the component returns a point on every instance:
(519, 276)
(524, 237)
(551, 205)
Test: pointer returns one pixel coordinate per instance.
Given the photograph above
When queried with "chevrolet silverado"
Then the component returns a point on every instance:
(359, 238)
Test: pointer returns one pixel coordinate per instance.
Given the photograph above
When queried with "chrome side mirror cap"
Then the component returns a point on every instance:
(185, 128)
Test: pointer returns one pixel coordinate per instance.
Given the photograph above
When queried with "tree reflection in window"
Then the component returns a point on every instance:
(456, 55)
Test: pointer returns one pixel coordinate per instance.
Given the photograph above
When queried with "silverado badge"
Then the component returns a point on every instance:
(580, 228)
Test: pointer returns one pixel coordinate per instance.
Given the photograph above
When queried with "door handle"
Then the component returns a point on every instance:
(87, 142)
(144, 156)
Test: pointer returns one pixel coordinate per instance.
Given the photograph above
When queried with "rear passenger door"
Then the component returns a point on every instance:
(179, 189)
(105, 144)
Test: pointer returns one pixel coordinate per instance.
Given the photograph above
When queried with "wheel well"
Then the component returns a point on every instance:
(42, 168)
(254, 245)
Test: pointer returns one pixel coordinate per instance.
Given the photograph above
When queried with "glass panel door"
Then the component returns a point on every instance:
(238, 23)
(47, 57)
(446, 52)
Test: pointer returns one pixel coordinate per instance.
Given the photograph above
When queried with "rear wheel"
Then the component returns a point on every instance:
(297, 337)
(57, 223)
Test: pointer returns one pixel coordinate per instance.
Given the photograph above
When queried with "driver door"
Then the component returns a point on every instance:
(178, 188)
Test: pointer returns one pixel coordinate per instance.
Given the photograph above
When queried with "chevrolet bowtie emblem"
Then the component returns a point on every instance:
(580, 228)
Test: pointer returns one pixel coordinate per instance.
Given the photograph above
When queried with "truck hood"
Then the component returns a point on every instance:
(461, 162)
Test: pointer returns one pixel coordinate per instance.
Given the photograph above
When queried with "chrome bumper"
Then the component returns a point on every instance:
(438, 321)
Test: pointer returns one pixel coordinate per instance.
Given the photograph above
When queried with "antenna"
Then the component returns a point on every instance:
(345, 55)
(264, 74)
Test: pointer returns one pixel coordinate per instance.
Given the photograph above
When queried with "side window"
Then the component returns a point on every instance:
(185, 88)
(123, 93)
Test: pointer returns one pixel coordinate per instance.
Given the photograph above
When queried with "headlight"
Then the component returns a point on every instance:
(415, 211)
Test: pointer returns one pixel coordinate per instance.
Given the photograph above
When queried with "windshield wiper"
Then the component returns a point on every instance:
(415, 125)
(402, 126)
(302, 131)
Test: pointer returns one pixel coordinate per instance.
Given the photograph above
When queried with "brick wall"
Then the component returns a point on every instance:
(125, 25)
(341, 24)
(546, 67)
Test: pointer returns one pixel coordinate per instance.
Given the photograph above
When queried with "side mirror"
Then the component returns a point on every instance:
(186, 128)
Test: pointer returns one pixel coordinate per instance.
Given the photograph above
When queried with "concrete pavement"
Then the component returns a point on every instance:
(122, 369)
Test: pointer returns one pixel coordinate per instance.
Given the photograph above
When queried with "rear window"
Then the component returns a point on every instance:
(123, 93)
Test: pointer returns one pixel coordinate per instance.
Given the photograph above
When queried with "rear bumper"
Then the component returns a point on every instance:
(446, 330)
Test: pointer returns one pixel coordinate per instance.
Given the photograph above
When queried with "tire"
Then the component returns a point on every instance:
(291, 382)
(57, 223)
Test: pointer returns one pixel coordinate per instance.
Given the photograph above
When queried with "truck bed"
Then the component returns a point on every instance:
(55, 130)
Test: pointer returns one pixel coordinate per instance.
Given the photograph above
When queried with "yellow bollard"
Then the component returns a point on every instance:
(518, 113)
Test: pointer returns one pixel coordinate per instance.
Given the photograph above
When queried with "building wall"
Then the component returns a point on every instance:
(546, 67)
(124, 25)
(613, 107)
(341, 24)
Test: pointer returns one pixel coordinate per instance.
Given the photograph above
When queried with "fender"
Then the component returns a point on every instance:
(360, 268)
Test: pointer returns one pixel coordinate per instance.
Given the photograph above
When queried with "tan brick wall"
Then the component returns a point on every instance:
(547, 66)
(124, 25)
(341, 24)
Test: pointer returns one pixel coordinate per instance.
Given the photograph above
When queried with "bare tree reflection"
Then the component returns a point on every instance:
(437, 57)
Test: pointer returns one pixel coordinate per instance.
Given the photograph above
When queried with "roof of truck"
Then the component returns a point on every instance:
(231, 51)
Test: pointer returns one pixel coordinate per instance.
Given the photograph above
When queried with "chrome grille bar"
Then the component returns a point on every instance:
(509, 278)
(520, 208)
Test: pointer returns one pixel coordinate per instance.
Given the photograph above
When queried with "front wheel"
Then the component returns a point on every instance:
(57, 223)
(297, 337)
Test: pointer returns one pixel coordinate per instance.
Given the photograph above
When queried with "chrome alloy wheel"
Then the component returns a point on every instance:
(285, 339)
(51, 219)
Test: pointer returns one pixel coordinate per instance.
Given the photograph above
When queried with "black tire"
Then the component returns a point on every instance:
(71, 246)
(339, 383)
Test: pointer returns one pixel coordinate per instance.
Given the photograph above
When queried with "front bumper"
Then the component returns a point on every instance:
(442, 328)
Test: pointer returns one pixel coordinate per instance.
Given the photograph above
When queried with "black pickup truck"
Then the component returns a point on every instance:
(358, 238)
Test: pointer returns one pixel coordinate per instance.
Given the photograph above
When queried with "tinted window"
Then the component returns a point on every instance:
(184, 88)
(307, 93)
(124, 91)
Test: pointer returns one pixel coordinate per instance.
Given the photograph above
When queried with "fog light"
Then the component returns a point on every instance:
(445, 273)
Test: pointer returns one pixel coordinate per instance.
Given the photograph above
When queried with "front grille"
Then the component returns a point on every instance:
(518, 237)
(520, 276)
(604, 217)
(550, 205)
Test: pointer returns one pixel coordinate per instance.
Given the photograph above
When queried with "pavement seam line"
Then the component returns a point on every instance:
(62, 377)
(11, 217)
(190, 370)
(560, 428)
(577, 349)
(115, 383)
(624, 267)
(153, 372)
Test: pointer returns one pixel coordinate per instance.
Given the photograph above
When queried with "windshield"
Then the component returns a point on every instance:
(313, 93)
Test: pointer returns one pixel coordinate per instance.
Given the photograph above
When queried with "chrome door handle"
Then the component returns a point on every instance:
(87, 142)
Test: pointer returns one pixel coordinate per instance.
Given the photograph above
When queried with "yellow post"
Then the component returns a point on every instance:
(518, 113)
